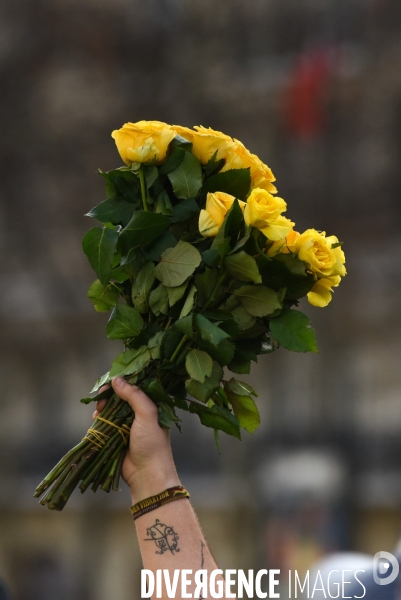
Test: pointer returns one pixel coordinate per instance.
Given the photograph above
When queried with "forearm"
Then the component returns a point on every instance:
(170, 538)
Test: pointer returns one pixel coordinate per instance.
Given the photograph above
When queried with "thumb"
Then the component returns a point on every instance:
(140, 403)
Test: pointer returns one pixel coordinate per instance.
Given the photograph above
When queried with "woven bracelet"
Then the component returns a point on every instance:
(144, 506)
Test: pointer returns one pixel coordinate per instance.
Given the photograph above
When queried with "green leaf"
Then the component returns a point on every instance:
(125, 322)
(198, 365)
(99, 245)
(258, 300)
(211, 257)
(112, 210)
(236, 182)
(129, 362)
(104, 395)
(151, 174)
(156, 392)
(177, 264)
(185, 210)
(205, 283)
(163, 204)
(240, 388)
(186, 179)
(103, 297)
(242, 317)
(158, 300)
(242, 266)
(221, 419)
(167, 240)
(185, 326)
(245, 410)
(189, 302)
(100, 381)
(120, 274)
(170, 341)
(167, 416)
(292, 263)
(215, 314)
(154, 345)
(242, 367)
(176, 293)
(203, 391)
(147, 333)
(142, 286)
(173, 160)
(233, 222)
(208, 331)
(293, 331)
(144, 228)
(223, 353)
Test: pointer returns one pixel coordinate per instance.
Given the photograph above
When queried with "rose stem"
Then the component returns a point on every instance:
(117, 475)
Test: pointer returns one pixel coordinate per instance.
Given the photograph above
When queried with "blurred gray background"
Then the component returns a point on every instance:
(314, 88)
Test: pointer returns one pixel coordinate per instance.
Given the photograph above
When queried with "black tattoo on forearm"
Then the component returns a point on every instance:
(164, 537)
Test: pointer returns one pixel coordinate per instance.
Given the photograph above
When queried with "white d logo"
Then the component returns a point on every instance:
(383, 568)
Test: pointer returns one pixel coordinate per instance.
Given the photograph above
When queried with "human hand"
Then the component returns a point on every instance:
(148, 466)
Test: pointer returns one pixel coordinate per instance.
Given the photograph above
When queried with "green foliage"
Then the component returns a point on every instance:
(125, 322)
(158, 300)
(142, 286)
(99, 245)
(185, 210)
(245, 410)
(177, 264)
(236, 182)
(173, 160)
(129, 362)
(186, 179)
(242, 266)
(103, 297)
(293, 331)
(189, 302)
(112, 210)
(203, 391)
(258, 300)
(167, 240)
(208, 331)
(198, 365)
(218, 418)
(185, 326)
(176, 293)
(144, 228)
(205, 283)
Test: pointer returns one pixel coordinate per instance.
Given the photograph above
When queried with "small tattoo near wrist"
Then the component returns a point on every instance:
(164, 537)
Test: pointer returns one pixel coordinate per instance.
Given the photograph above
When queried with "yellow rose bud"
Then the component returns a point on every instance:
(264, 212)
(286, 245)
(143, 142)
(316, 250)
(206, 142)
(217, 206)
(320, 294)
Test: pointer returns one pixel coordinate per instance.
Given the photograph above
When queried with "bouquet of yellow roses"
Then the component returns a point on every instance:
(201, 271)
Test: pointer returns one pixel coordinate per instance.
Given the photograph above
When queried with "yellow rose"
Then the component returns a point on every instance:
(264, 212)
(143, 142)
(206, 142)
(320, 294)
(217, 206)
(316, 251)
(261, 175)
(286, 245)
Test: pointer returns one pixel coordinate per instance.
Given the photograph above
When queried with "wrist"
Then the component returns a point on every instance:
(151, 481)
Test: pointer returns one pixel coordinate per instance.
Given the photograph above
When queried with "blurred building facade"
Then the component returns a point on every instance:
(314, 88)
